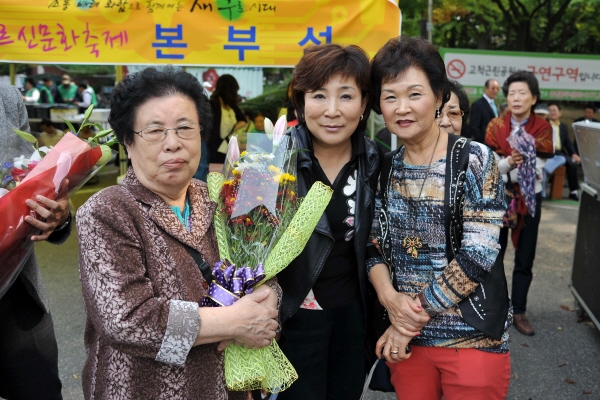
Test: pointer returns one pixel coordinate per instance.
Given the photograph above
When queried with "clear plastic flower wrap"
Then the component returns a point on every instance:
(261, 226)
(39, 172)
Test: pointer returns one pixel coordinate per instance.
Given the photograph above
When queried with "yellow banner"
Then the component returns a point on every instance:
(188, 32)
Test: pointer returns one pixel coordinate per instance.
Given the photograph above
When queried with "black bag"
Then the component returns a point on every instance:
(379, 378)
(381, 318)
(486, 308)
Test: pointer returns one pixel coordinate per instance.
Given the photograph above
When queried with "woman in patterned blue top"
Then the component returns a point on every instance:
(447, 356)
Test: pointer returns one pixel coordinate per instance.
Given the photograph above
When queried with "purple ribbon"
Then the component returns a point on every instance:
(231, 283)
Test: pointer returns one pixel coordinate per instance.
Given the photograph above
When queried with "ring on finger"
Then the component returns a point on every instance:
(394, 352)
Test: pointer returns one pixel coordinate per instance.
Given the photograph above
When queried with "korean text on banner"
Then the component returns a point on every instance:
(188, 32)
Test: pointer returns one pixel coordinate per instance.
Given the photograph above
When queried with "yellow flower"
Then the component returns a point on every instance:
(287, 178)
(273, 168)
(243, 153)
(236, 172)
(229, 182)
(277, 177)
(259, 198)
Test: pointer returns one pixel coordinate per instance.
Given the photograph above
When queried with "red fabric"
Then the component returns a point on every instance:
(431, 372)
(499, 130)
(15, 233)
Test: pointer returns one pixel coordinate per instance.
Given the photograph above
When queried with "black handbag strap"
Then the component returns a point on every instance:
(385, 239)
(203, 265)
(457, 162)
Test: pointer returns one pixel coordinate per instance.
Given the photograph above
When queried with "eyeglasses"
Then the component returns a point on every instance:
(453, 114)
(158, 133)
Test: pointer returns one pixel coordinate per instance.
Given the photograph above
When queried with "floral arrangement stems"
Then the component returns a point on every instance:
(295, 237)
(215, 182)
(268, 368)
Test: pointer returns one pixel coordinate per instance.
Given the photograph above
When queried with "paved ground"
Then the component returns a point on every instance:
(561, 350)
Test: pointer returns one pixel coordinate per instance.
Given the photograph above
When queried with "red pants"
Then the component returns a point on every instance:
(471, 374)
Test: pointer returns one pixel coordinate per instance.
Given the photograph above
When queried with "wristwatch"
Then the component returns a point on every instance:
(64, 224)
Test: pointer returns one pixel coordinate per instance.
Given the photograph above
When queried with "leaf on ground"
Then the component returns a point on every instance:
(563, 364)
(75, 376)
(587, 392)
(516, 376)
(559, 328)
(524, 345)
(590, 324)
(564, 307)
(570, 381)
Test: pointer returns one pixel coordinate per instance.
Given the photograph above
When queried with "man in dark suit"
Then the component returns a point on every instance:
(588, 114)
(564, 147)
(484, 109)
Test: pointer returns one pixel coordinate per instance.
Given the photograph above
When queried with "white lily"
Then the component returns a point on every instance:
(233, 151)
(279, 130)
(268, 127)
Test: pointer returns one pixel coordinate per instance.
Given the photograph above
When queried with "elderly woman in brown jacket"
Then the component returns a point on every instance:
(146, 337)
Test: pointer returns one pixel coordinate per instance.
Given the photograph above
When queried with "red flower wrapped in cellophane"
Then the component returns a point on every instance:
(21, 179)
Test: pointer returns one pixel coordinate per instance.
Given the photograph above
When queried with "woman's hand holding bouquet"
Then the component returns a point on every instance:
(261, 226)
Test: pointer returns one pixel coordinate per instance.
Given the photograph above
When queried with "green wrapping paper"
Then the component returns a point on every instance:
(268, 368)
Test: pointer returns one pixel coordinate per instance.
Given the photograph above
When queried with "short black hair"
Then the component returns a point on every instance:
(590, 106)
(463, 99)
(30, 80)
(136, 89)
(554, 103)
(523, 76)
(82, 85)
(401, 53)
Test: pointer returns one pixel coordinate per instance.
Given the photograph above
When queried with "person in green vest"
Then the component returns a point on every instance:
(46, 95)
(67, 90)
(32, 94)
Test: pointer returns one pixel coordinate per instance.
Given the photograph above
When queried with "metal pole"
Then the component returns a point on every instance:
(122, 155)
(12, 72)
(430, 21)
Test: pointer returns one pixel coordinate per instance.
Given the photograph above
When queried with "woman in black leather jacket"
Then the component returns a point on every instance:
(325, 289)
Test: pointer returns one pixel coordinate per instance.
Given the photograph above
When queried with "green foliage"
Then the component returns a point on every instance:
(267, 103)
(20, 68)
(563, 26)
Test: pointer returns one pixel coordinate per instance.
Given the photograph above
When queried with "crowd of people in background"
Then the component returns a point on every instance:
(81, 94)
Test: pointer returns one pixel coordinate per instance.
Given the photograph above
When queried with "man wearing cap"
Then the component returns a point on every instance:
(484, 109)
(67, 90)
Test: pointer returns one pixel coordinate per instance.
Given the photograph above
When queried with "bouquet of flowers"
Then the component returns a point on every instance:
(261, 226)
(40, 173)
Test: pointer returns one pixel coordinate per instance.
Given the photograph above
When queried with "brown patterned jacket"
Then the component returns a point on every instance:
(141, 290)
